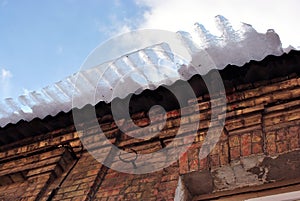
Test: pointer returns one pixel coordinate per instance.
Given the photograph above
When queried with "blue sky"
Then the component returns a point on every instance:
(41, 42)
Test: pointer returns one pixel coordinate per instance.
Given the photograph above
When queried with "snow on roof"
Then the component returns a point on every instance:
(235, 47)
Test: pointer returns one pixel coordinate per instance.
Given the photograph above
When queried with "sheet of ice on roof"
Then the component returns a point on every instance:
(146, 68)
(234, 47)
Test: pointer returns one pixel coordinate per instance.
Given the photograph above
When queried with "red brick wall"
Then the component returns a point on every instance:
(79, 182)
(160, 185)
(262, 120)
(29, 177)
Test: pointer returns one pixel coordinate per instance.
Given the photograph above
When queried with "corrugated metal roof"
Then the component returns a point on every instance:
(233, 76)
(234, 47)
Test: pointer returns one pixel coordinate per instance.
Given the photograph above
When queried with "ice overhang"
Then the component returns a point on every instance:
(235, 47)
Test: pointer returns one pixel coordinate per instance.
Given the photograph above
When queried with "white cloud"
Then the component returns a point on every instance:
(5, 74)
(177, 15)
(5, 79)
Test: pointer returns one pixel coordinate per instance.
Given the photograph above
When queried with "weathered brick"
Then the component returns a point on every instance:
(270, 143)
(246, 145)
(282, 146)
(224, 160)
(257, 148)
(70, 188)
(246, 150)
(203, 164)
(132, 189)
(79, 198)
(256, 136)
(234, 141)
(170, 177)
(131, 196)
(193, 165)
(235, 153)
(74, 194)
(193, 153)
(281, 135)
(183, 164)
(293, 137)
(214, 160)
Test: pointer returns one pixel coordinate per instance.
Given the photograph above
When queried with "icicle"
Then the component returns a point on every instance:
(188, 41)
(207, 39)
(225, 27)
